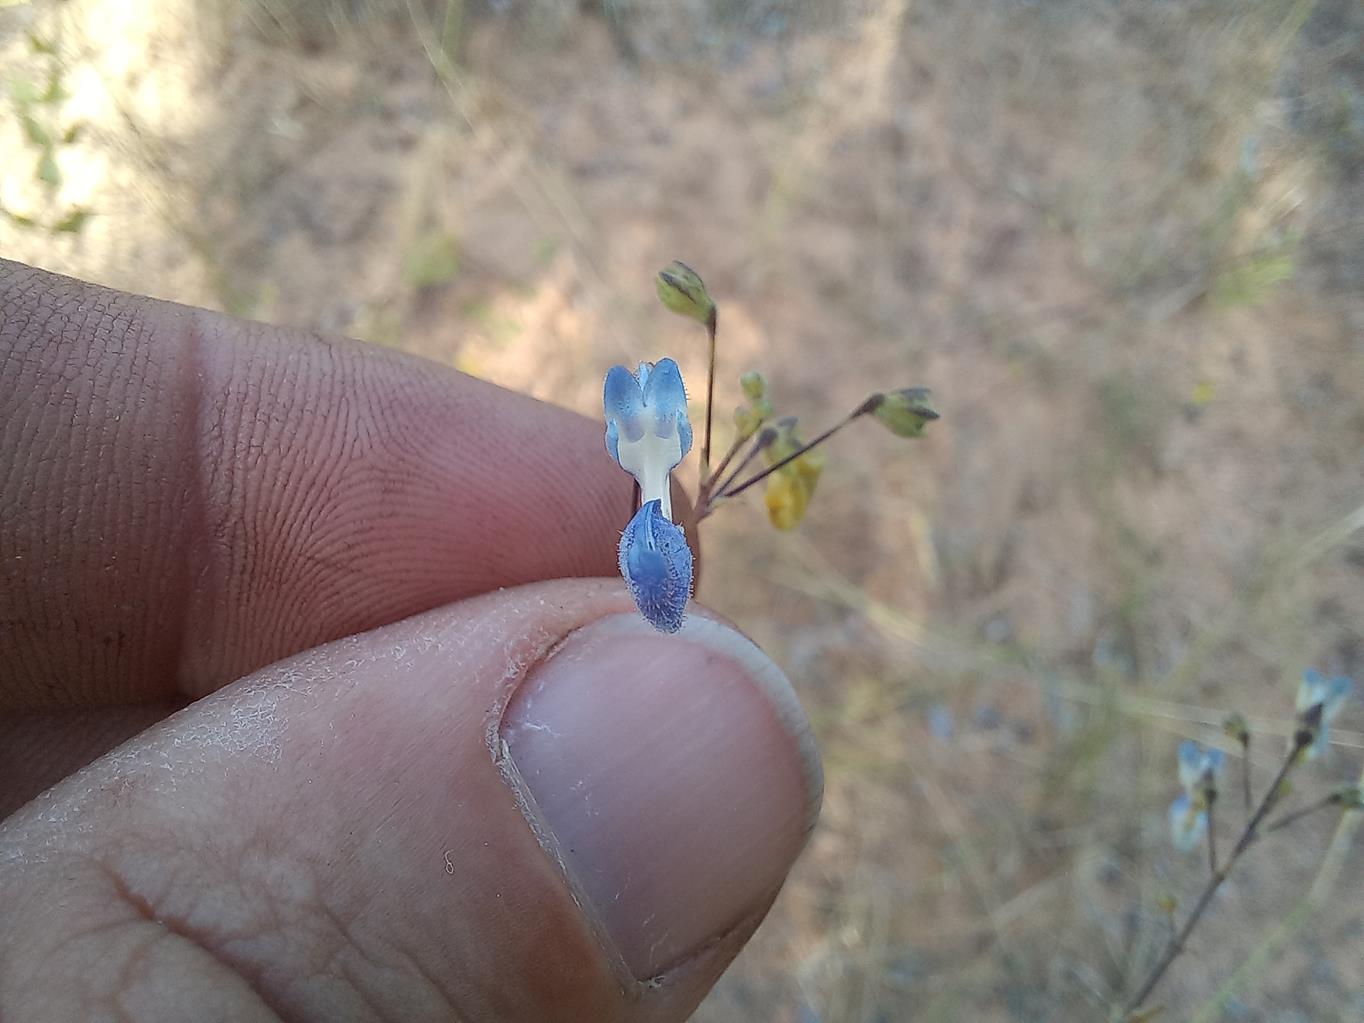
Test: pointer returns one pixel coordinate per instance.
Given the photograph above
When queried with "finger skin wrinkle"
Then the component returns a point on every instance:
(189, 497)
(90, 463)
(264, 911)
(141, 930)
(96, 953)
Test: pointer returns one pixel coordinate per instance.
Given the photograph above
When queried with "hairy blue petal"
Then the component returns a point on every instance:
(656, 564)
(684, 432)
(623, 399)
(665, 396)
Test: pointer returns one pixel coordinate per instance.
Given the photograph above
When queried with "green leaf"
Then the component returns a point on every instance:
(23, 91)
(55, 91)
(1250, 281)
(72, 133)
(73, 222)
(433, 260)
(35, 132)
(38, 44)
(48, 172)
(18, 219)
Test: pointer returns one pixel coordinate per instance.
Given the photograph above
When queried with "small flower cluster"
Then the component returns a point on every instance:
(1319, 701)
(648, 433)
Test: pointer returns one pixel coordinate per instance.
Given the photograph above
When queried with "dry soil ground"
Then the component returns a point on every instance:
(1122, 241)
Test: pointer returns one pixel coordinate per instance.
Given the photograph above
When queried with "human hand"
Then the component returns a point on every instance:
(422, 765)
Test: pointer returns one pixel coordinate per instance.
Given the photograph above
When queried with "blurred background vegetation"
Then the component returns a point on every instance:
(1122, 240)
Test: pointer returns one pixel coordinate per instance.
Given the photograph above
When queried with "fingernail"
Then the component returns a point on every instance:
(673, 777)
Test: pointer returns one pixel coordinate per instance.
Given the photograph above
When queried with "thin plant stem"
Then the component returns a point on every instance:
(711, 323)
(861, 410)
(1330, 799)
(706, 488)
(1328, 876)
(1300, 741)
(764, 438)
(1212, 838)
(1245, 775)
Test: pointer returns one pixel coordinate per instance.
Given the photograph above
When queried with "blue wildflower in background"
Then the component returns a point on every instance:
(1319, 701)
(1199, 770)
(648, 434)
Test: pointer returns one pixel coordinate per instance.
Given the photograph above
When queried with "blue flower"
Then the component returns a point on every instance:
(1330, 695)
(1199, 770)
(648, 434)
(657, 565)
(1187, 824)
(647, 430)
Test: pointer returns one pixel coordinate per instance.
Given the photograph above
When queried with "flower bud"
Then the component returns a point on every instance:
(754, 385)
(905, 412)
(1236, 727)
(750, 418)
(1349, 796)
(680, 289)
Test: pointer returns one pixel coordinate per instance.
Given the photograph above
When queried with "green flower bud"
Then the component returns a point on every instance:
(754, 385)
(749, 418)
(1349, 797)
(680, 289)
(1236, 727)
(906, 412)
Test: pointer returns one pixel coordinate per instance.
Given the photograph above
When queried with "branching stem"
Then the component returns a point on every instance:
(709, 495)
(1330, 799)
(1300, 742)
(730, 490)
(703, 498)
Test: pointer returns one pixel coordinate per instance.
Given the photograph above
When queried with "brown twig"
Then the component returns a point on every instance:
(1300, 742)
(704, 507)
(1212, 835)
(1330, 799)
(705, 490)
(711, 323)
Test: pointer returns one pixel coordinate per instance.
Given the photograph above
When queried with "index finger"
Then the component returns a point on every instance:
(185, 497)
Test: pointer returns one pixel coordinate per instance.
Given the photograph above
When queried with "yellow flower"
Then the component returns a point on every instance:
(791, 487)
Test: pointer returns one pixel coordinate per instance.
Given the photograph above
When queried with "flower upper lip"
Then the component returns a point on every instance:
(647, 429)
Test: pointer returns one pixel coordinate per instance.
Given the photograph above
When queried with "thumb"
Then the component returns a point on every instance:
(524, 806)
